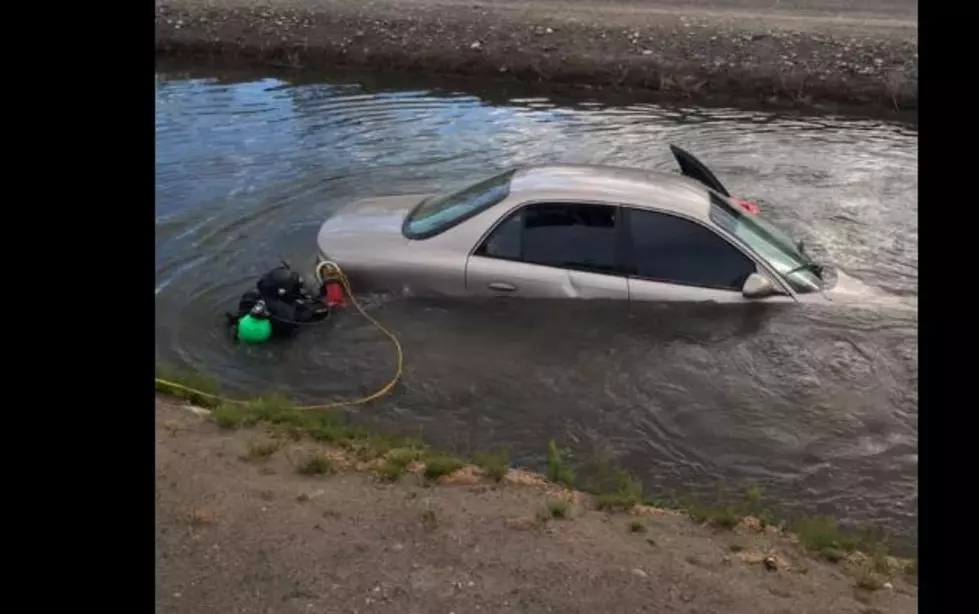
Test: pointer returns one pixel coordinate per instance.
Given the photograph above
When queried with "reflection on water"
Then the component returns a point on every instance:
(819, 405)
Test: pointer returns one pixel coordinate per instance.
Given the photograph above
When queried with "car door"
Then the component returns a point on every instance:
(673, 258)
(550, 250)
(697, 170)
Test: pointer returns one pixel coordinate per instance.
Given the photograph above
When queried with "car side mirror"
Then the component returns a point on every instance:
(758, 286)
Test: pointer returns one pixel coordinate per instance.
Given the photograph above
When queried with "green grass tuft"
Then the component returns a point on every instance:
(717, 516)
(557, 508)
(396, 462)
(823, 536)
(752, 496)
(316, 464)
(326, 427)
(822, 533)
(668, 503)
(404, 456)
(390, 472)
(199, 381)
(274, 409)
(494, 464)
(911, 569)
(881, 563)
(615, 502)
(262, 450)
(227, 416)
(557, 470)
(615, 489)
(437, 466)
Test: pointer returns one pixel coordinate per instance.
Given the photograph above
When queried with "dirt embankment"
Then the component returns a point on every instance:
(857, 57)
(240, 529)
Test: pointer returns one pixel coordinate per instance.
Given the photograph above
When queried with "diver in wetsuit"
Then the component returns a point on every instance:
(287, 303)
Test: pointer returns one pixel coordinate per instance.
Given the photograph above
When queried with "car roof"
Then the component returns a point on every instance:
(641, 188)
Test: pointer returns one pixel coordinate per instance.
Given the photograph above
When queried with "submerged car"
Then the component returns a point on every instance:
(573, 232)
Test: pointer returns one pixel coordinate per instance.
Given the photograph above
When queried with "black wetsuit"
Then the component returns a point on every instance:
(289, 304)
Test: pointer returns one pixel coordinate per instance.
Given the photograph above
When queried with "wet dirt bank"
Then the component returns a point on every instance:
(859, 58)
(245, 523)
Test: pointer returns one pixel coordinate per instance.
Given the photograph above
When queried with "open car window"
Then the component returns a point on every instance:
(767, 241)
(437, 214)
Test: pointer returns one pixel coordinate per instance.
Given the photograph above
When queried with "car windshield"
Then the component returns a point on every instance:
(439, 213)
(767, 241)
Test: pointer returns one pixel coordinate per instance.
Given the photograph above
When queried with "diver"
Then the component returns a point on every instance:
(278, 306)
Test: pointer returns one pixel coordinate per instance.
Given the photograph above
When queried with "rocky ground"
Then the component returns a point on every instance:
(855, 56)
(239, 529)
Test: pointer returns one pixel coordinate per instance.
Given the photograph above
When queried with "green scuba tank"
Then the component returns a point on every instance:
(255, 326)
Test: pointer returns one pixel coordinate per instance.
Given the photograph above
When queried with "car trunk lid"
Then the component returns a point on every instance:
(366, 225)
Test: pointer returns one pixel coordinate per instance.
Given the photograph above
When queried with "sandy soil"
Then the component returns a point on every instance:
(856, 56)
(236, 535)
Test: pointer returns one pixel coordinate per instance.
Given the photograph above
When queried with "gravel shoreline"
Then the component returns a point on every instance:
(245, 523)
(748, 56)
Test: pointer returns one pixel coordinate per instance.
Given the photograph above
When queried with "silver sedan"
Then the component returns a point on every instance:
(573, 232)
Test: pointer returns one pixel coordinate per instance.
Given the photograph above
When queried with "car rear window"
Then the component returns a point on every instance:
(437, 214)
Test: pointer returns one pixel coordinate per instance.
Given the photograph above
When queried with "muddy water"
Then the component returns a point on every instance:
(817, 405)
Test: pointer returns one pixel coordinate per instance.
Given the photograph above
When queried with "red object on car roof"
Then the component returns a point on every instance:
(748, 206)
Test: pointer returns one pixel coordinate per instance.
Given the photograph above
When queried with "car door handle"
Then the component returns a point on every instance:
(501, 286)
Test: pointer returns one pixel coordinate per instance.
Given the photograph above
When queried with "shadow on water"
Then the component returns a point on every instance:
(816, 404)
(498, 91)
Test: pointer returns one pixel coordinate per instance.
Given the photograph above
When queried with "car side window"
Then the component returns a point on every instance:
(672, 249)
(572, 236)
(505, 241)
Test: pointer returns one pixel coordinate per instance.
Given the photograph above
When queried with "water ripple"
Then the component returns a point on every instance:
(819, 406)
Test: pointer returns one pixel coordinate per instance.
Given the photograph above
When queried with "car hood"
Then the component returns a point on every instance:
(366, 224)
